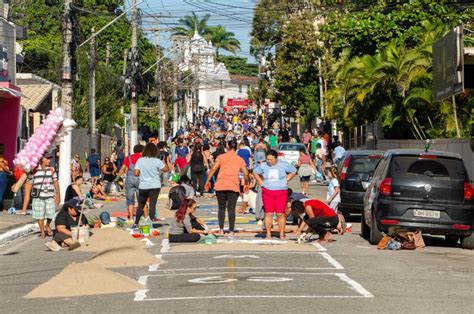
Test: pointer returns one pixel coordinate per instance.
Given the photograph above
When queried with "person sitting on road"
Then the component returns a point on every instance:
(177, 193)
(97, 191)
(74, 189)
(182, 229)
(185, 182)
(319, 217)
(66, 218)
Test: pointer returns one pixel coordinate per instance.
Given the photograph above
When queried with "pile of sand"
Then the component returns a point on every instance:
(110, 238)
(82, 279)
(125, 257)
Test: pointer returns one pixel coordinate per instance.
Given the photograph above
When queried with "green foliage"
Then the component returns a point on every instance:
(238, 65)
(192, 23)
(42, 50)
(222, 39)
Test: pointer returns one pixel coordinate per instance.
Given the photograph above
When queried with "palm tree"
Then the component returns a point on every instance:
(222, 39)
(191, 24)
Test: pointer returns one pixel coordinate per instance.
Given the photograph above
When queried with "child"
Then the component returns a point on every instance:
(333, 197)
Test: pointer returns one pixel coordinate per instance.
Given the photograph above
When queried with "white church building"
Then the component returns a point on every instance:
(216, 87)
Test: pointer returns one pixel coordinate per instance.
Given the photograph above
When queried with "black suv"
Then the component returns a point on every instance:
(422, 190)
(356, 169)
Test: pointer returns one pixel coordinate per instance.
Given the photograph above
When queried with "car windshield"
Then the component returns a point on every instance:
(293, 147)
(363, 164)
(434, 166)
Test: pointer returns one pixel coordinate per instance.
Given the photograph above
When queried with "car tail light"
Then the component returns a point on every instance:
(389, 221)
(461, 227)
(386, 186)
(344, 168)
(427, 156)
(468, 191)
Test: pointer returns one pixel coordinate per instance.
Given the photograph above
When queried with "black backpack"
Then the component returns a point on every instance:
(177, 195)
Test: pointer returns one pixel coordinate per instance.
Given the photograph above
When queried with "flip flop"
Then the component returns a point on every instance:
(21, 213)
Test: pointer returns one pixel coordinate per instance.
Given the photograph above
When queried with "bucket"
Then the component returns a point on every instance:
(145, 230)
(80, 234)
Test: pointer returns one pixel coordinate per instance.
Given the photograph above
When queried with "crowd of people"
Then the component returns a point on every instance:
(232, 156)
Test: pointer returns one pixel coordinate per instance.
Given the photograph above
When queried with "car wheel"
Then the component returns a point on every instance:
(468, 242)
(451, 239)
(375, 234)
(364, 229)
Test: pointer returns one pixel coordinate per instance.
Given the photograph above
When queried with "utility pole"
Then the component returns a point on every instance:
(159, 82)
(126, 132)
(68, 46)
(321, 96)
(107, 54)
(92, 65)
(133, 105)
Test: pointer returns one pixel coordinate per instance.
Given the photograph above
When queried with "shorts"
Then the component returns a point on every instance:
(59, 237)
(43, 208)
(305, 178)
(94, 172)
(274, 201)
(131, 191)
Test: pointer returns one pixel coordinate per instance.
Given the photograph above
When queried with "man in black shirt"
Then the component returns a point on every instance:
(68, 217)
(285, 135)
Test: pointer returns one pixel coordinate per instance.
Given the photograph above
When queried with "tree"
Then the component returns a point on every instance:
(238, 65)
(222, 39)
(191, 24)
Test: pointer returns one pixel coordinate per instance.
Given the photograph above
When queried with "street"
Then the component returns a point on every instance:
(246, 276)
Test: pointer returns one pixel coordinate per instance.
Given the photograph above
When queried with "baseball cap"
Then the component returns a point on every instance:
(74, 203)
(104, 218)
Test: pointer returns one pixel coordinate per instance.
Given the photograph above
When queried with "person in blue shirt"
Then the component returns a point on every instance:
(93, 166)
(274, 176)
(245, 154)
(338, 152)
(148, 168)
(181, 150)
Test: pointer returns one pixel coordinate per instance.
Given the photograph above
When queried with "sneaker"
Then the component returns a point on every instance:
(74, 246)
(53, 246)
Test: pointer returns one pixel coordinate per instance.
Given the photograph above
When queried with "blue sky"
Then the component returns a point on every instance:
(235, 15)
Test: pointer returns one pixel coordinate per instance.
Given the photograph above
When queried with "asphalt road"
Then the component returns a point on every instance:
(346, 276)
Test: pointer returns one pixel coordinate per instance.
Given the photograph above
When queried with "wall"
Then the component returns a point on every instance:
(211, 96)
(80, 144)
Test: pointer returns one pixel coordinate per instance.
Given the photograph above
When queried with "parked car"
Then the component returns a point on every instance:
(356, 169)
(290, 152)
(414, 189)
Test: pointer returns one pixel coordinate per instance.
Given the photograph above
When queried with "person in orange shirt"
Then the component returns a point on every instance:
(227, 185)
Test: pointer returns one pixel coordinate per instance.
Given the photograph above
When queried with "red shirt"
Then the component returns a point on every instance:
(133, 157)
(320, 209)
(180, 162)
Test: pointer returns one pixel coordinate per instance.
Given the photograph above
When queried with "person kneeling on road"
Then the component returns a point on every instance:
(186, 227)
(319, 217)
(66, 218)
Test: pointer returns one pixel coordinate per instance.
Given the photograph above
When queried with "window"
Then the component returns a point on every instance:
(240, 89)
(221, 101)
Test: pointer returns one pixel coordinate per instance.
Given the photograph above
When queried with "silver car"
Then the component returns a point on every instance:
(290, 152)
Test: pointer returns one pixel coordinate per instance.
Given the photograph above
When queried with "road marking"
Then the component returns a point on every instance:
(237, 256)
(256, 296)
(247, 267)
(332, 261)
(214, 279)
(355, 285)
(233, 252)
(140, 295)
(319, 247)
(269, 279)
(17, 246)
(155, 267)
(242, 272)
(165, 245)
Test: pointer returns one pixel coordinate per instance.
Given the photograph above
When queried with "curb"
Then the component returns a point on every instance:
(17, 233)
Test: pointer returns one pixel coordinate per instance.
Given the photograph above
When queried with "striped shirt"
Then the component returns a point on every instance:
(44, 180)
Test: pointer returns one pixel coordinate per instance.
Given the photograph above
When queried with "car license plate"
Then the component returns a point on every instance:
(427, 213)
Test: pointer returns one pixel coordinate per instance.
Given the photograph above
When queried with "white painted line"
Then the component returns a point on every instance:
(233, 252)
(155, 267)
(140, 295)
(256, 297)
(237, 256)
(165, 245)
(241, 272)
(332, 261)
(253, 241)
(355, 285)
(143, 280)
(319, 247)
(245, 267)
(269, 279)
(213, 279)
(17, 246)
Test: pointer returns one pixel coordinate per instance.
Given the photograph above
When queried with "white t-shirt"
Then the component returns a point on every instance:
(331, 189)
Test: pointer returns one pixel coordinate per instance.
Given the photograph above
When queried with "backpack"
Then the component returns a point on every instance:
(177, 195)
(131, 179)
